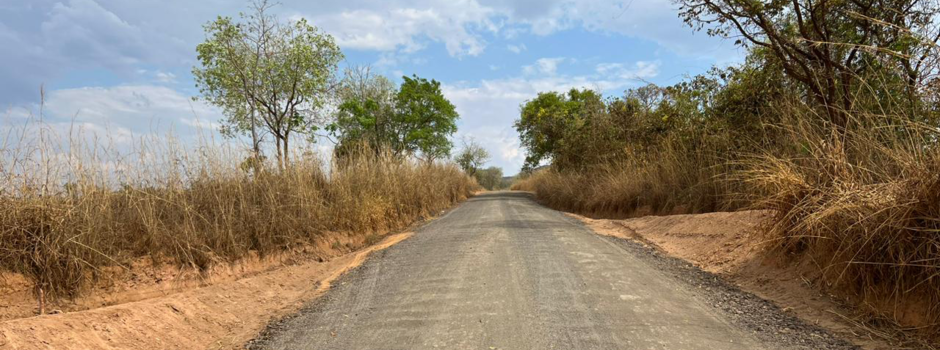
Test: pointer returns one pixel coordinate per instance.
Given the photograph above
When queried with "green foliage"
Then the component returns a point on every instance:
(471, 157)
(426, 117)
(706, 118)
(549, 125)
(227, 73)
(490, 178)
(414, 120)
(265, 73)
(846, 56)
(367, 113)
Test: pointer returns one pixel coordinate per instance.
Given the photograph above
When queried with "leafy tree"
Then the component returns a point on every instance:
(425, 118)
(414, 120)
(471, 156)
(264, 69)
(831, 47)
(724, 111)
(367, 113)
(748, 99)
(547, 122)
(490, 178)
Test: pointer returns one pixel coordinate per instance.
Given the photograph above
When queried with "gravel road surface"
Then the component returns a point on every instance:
(502, 272)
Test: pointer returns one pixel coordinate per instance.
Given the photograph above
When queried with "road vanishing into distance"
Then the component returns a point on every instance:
(502, 272)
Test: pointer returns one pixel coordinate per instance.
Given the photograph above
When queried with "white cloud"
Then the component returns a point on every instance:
(85, 29)
(46, 38)
(43, 39)
(393, 59)
(399, 25)
(639, 70)
(392, 26)
(197, 123)
(516, 48)
(16, 114)
(165, 77)
(547, 66)
(83, 32)
(655, 20)
(140, 109)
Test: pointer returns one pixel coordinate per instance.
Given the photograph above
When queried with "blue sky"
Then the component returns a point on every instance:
(122, 67)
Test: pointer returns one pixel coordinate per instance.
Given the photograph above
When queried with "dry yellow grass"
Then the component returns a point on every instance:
(71, 209)
(863, 210)
(673, 179)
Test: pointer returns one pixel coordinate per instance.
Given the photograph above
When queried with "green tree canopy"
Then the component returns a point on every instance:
(426, 118)
(580, 129)
(490, 178)
(471, 156)
(416, 119)
(367, 112)
(546, 122)
(266, 73)
(879, 53)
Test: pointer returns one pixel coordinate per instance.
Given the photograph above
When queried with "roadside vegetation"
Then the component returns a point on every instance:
(831, 123)
(74, 205)
(471, 158)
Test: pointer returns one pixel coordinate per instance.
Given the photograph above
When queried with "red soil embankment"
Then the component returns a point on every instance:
(230, 308)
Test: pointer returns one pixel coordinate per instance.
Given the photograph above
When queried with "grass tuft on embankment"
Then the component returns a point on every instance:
(862, 208)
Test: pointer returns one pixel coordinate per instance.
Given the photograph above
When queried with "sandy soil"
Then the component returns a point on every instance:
(160, 309)
(721, 243)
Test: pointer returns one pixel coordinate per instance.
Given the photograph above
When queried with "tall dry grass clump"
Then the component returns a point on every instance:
(670, 179)
(72, 207)
(862, 208)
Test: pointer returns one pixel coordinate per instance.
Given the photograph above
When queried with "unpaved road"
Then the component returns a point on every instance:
(502, 272)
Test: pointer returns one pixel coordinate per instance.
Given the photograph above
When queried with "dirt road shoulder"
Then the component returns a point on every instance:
(720, 244)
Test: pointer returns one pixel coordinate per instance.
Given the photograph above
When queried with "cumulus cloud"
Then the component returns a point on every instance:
(131, 110)
(547, 66)
(165, 77)
(85, 31)
(639, 70)
(44, 38)
(197, 123)
(655, 20)
(23, 68)
(396, 26)
(516, 48)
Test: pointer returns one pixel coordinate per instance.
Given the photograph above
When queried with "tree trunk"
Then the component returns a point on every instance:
(280, 152)
(255, 143)
(286, 150)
